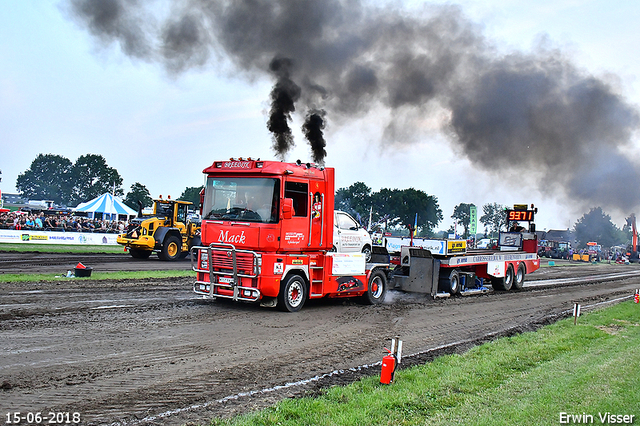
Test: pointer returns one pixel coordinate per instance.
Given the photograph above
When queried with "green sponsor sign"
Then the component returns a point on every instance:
(473, 220)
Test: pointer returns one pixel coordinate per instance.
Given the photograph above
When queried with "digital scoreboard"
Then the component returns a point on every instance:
(520, 215)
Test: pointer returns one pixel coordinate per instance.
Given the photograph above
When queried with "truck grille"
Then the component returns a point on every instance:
(217, 276)
(221, 262)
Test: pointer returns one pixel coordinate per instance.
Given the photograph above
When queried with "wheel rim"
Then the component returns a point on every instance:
(508, 279)
(172, 249)
(367, 253)
(454, 284)
(294, 294)
(376, 287)
(520, 276)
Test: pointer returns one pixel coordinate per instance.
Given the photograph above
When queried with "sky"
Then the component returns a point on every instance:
(70, 89)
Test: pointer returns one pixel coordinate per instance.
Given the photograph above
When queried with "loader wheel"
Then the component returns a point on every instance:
(293, 294)
(170, 249)
(504, 283)
(518, 282)
(139, 254)
(376, 290)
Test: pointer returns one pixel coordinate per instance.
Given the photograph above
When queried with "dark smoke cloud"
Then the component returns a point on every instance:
(283, 98)
(521, 115)
(313, 130)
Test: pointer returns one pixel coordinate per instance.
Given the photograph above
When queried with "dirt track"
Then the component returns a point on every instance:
(152, 350)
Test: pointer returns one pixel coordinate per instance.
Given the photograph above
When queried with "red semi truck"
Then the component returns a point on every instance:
(267, 237)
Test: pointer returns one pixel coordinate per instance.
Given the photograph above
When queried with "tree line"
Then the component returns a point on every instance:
(54, 177)
(395, 210)
(399, 210)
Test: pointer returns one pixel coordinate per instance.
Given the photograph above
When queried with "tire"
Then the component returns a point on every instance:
(504, 283)
(376, 290)
(518, 281)
(171, 248)
(451, 284)
(366, 250)
(293, 294)
(139, 254)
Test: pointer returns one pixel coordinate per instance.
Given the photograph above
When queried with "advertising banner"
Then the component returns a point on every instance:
(50, 237)
(348, 263)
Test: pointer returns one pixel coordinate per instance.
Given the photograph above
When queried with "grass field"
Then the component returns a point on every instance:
(537, 378)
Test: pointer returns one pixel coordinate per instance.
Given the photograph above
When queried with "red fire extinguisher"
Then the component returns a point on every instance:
(390, 362)
(388, 368)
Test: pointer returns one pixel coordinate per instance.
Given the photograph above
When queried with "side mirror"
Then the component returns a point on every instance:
(287, 208)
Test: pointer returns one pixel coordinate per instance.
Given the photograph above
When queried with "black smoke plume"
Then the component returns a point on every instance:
(532, 115)
(283, 97)
(313, 130)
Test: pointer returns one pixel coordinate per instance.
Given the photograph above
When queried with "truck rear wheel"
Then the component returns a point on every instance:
(504, 283)
(518, 282)
(293, 294)
(170, 249)
(376, 290)
(139, 254)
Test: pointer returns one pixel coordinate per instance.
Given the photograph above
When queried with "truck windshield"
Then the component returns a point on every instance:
(243, 199)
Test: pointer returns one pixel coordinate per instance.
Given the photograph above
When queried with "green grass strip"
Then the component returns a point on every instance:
(60, 248)
(119, 275)
(530, 379)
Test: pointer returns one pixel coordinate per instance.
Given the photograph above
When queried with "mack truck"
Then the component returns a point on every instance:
(267, 237)
(169, 231)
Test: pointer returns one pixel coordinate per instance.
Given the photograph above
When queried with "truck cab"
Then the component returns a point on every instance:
(268, 237)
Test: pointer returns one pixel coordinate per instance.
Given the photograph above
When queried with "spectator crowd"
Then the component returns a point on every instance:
(64, 223)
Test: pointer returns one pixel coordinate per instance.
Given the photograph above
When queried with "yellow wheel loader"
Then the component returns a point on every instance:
(168, 231)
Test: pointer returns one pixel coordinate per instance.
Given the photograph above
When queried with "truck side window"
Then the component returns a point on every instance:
(299, 192)
(345, 222)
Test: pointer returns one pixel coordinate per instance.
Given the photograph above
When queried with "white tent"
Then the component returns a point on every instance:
(109, 206)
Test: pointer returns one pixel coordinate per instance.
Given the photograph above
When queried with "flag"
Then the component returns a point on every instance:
(415, 226)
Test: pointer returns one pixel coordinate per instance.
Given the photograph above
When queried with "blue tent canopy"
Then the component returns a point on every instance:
(108, 205)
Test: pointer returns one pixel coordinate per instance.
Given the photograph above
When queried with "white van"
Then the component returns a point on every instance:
(349, 237)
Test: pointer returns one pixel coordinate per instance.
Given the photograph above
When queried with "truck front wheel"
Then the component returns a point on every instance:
(170, 249)
(293, 294)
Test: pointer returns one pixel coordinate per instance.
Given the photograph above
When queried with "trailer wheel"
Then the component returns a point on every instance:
(293, 294)
(377, 289)
(504, 283)
(139, 254)
(451, 284)
(170, 249)
(518, 282)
